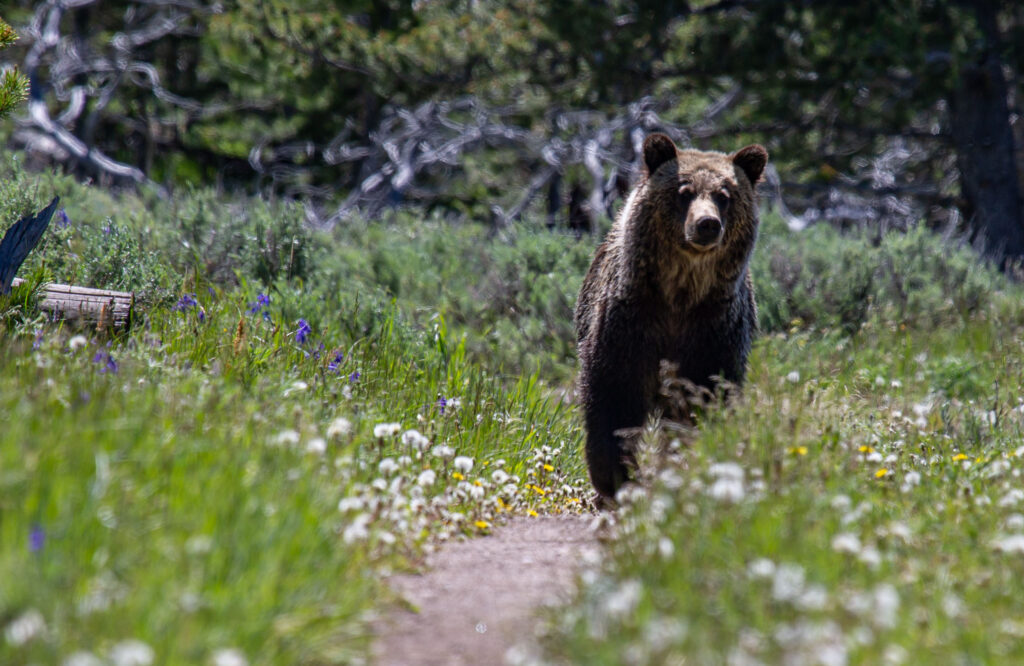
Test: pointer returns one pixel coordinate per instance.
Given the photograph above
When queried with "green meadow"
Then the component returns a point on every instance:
(295, 413)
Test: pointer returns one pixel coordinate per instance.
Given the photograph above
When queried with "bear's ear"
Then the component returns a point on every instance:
(752, 160)
(658, 149)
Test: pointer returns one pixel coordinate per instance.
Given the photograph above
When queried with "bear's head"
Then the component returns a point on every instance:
(703, 197)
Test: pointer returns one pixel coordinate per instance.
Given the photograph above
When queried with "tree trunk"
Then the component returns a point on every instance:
(980, 128)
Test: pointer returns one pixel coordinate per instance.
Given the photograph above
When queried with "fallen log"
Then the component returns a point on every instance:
(106, 309)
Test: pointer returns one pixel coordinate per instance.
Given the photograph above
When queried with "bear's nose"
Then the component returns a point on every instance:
(707, 230)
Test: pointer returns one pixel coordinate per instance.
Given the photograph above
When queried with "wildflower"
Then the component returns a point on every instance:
(499, 476)
(357, 530)
(302, 334)
(788, 582)
(414, 439)
(317, 445)
(482, 524)
(960, 456)
(336, 362)
(63, 221)
(441, 404)
(444, 452)
(386, 429)
(77, 342)
(347, 504)
(548, 468)
(131, 653)
(36, 538)
(887, 605)
(388, 466)
(463, 464)
(354, 377)
(287, 437)
(880, 473)
(82, 658)
(793, 377)
(426, 478)
(846, 543)
(458, 477)
(798, 450)
(262, 301)
(108, 362)
(339, 428)
(761, 568)
(531, 513)
(229, 657)
(38, 342)
(1013, 543)
(186, 302)
(25, 627)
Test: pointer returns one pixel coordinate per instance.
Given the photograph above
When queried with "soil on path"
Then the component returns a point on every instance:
(479, 597)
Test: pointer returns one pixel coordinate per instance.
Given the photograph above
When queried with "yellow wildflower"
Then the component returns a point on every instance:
(866, 449)
(458, 476)
(548, 468)
(538, 490)
(531, 513)
(798, 450)
(880, 473)
(477, 483)
(482, 524)
(960, 456)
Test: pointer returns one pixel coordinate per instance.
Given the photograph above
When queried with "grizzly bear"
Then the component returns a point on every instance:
(669, 283)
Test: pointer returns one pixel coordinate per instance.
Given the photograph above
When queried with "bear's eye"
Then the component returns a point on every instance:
(686, 193)
(721, 198)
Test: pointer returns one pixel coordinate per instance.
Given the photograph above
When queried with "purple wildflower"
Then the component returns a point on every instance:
(186, 302)
(336, 362)
(302, 334)
(36, 538)
(109, 364)
(441, 404)
(108, 228)
(38, 342)
(63, 221)
(354, 377)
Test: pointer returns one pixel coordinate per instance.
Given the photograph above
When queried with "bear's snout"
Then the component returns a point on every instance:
(707, 231)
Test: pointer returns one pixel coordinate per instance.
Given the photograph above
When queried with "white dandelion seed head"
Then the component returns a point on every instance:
(499, 476)
(846, 542)
(347, 504)
(886, 605)
(463, 464)
(228, 657)
(387, 467)
(761, 568)
(415, 439)
(426, 478)
(386, 429)
(287, 438)
(793, 377)
(77, 342)
(357, 530)
(25, 627)
(444, 452)
(316, 446)
(131, 652)
(788, 582)
(339, 427)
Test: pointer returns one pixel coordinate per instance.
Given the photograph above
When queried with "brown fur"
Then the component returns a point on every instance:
(663, 287)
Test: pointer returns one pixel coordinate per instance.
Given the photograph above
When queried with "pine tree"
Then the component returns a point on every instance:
(13, 84)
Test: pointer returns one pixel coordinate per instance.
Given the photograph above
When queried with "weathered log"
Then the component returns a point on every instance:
(106, 309)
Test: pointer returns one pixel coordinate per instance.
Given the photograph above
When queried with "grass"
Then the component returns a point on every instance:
(180, 485)
(860, 504)
(299, 412)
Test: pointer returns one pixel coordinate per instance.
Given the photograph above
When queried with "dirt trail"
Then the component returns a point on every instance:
(477, 598)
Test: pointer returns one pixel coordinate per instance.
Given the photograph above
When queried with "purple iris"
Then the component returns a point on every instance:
(36, 538)
(186, 302)
(108, 362)
(262, 301)
(336, 362)
(302, 334)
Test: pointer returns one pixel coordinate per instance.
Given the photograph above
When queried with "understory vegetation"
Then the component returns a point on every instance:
(296, 412)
